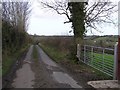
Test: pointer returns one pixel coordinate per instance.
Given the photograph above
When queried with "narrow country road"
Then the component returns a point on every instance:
(44, 74)
(24, 75)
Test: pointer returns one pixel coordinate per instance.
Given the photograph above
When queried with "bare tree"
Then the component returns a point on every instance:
(14, 20)
(16, 13)
(82, 15)
(95, 12)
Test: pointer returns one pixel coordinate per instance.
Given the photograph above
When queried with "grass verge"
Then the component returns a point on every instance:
(35, 54)
(54, 53)
(8, 61)
(59, 56)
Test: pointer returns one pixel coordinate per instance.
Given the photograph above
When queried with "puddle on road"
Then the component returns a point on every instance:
(66, 79)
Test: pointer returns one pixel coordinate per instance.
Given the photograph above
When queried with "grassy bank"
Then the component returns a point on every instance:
(53, 52)
(9, 60)
(61, 57)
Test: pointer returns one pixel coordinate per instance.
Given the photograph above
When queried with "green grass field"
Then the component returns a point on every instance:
(103, 62)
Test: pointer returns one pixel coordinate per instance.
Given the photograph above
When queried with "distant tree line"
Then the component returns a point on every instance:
(14, 26)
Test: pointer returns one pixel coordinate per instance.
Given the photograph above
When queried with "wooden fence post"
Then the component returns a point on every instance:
(118, 60)
(115, 61)
(78, 51)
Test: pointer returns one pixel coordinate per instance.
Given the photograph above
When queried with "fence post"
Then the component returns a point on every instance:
(78, 51)
(118, 58)
(115, 61)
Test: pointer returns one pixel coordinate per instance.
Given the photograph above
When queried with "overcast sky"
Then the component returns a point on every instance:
(46, 22)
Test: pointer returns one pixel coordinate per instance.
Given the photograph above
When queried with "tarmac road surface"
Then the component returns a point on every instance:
(47, 74)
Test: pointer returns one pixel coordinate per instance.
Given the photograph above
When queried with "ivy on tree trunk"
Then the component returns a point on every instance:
(78, 17)
(78, 25)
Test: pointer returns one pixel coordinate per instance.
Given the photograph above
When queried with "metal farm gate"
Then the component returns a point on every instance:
(103, 59)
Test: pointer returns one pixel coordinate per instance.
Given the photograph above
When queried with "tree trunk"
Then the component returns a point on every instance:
(78, 24)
